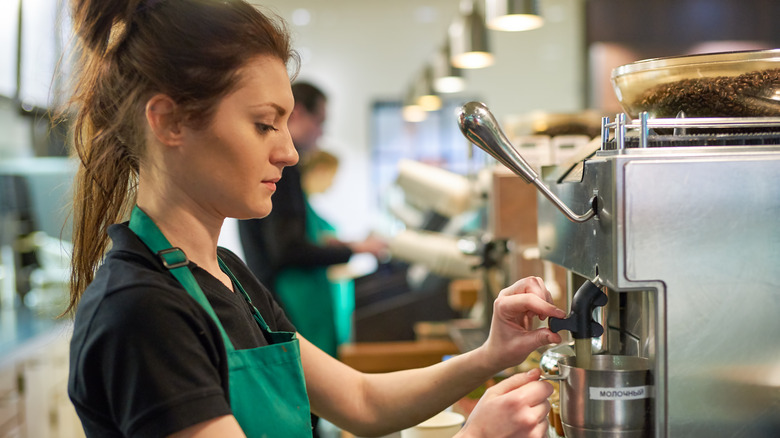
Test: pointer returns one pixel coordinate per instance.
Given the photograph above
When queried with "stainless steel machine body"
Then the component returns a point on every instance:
(686, 241)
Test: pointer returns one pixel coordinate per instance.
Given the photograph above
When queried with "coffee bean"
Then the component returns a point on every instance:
(747, 95)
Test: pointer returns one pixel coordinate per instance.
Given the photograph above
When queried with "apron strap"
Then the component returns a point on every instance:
(174, 259)
(255, 313)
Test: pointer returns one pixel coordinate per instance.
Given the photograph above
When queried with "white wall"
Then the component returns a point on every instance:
(359, 51)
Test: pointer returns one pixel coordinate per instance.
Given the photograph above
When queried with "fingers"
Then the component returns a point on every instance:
(516, 380)
(541, 337)
(529, 286)
(534, 390)
(540, 430)
(519, 304)
(534, 285)
(515, 406)
(529, 399)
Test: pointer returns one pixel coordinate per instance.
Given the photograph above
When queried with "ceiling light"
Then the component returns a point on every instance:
(446, 77)
(513, 15)
(468, 38)
(426, 95)
(412, 111)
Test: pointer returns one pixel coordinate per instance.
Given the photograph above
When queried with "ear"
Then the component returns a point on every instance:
(163, 120)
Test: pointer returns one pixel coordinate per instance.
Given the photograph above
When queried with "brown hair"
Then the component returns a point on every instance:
(308, 95)
(129, 50)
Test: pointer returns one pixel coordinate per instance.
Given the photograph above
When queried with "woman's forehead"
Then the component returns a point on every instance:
(265, 78)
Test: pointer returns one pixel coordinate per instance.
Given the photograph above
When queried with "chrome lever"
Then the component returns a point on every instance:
(480, 127)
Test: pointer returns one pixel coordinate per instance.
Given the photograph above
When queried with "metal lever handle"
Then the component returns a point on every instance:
(580, 320)
(480, 127)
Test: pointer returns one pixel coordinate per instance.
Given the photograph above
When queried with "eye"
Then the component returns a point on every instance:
(264, 128)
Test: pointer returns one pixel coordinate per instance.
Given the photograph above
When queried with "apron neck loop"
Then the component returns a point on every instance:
(176, 261)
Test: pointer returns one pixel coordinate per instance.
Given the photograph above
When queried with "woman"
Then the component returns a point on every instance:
(181, 122)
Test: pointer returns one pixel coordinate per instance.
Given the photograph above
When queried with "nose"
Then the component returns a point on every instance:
(285, 153)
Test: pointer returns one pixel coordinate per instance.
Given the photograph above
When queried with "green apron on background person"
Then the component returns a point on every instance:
(267, 388)
(320, 309)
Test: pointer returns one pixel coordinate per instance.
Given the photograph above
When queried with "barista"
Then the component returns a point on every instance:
(182, 110)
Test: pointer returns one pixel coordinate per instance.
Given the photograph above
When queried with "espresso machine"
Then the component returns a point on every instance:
(677, 220)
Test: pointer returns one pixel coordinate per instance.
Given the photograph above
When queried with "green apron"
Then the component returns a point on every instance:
(320, 309)
(267, 389)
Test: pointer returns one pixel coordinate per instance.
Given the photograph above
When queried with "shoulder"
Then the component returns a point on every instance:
(132, 277)
(134, 296)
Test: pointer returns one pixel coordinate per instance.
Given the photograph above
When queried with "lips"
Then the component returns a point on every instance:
(271, 184)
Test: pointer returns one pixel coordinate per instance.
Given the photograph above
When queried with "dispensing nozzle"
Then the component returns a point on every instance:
(580, 321)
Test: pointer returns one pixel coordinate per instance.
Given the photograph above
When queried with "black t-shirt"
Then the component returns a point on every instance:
(146, 359)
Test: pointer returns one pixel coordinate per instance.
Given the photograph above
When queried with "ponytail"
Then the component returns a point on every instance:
(129, 50)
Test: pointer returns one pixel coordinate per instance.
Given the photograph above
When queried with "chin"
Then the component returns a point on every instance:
(261, 211)
(254, 211)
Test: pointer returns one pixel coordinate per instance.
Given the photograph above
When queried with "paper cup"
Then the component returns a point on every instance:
(442, 425)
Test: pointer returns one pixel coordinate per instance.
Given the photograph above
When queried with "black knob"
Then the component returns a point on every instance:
(580, 320)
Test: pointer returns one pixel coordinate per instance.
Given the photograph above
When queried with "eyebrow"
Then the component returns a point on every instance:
(279, 109)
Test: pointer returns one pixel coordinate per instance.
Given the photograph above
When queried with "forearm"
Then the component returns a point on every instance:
(375, 404)
(405, 398)
(303, 254)
(378, 404)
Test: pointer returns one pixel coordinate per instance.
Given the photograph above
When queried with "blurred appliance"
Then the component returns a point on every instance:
(435, 199)
(452, 202)
(677, 219)
(546, 139)
(17, 226)
(34, 228)
(435, 208)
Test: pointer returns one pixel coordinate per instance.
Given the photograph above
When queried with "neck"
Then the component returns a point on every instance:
(186, 226)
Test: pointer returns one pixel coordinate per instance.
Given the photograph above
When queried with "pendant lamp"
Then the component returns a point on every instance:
(411, 110)
(446, 77)
(427, 97)
(468, 37)
(513, 15)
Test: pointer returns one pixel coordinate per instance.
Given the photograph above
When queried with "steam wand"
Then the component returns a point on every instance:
(580, 321)
(479, 126)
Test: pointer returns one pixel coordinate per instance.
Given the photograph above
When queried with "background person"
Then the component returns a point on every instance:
(315, 304)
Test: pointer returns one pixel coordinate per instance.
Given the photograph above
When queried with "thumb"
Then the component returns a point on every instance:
(539, 338)
(515, 381)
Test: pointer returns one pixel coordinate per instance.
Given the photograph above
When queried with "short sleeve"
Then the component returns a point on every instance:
(152, 358)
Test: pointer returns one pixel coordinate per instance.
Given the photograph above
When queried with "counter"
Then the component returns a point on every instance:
(22, 331)
(33, 376)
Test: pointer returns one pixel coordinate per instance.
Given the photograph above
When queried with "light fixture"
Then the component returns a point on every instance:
(446, 77)
(412, 111)
(468, 38)
(513, 15)
(426, 95)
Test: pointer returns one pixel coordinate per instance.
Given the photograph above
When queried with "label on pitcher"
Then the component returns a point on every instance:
(618, 394)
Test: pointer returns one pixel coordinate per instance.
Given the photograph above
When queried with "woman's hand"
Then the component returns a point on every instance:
(516, 406)
(512, 336)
